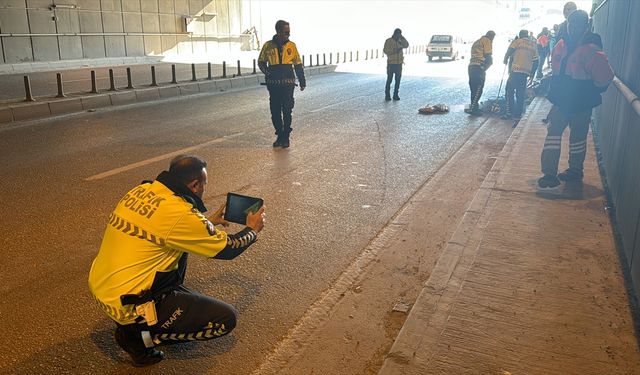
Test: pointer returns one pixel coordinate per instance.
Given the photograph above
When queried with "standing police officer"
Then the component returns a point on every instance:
(137, 277)
(275, 61)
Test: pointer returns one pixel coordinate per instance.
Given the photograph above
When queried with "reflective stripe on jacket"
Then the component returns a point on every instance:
(148, 233)
(523, 53)
(279, 61)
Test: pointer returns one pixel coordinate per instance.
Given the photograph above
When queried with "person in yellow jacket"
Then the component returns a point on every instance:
(278, 59)
(481, 60)
(523, 59)
(137, 277)
(395, 58)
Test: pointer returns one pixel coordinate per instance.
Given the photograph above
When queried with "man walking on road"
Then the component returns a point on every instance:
(581, 73)
(481, 60)
(521, 57)
(278, 59)
(137, 277)
(393, 48)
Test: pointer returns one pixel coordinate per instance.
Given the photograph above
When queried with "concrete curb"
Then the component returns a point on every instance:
(429, 313)
(77, 103)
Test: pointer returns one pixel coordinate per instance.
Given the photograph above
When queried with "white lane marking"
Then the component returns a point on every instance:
(160, 157)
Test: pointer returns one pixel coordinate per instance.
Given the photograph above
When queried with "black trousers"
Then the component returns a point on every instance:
(281, 104)
(516, 84)
(393, 69)
(185, 315)
(476, 84)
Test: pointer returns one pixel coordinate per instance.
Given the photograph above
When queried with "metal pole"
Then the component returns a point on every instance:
(94, 84)
(193, 73)
(324, 59)
(350, 56)
(317, 59)
(174, 79)
(330, 58)
(366, 55)
(357, 55)
(310, 60)
(344, 58)
(60, 88)
(27, 90)
(112, 81)
(129, 79)
(224, 69)
(209, 77)
(153, 76)
(254, 66)
(302, 60)
(239, 71)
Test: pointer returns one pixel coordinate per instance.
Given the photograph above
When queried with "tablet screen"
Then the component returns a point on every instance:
(238, 206)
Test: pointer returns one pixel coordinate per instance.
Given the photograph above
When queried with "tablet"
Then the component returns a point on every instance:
(238, 206)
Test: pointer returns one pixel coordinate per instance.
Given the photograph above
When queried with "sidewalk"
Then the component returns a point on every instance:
(529, 283)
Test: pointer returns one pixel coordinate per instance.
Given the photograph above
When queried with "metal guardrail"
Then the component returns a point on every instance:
(368, 55)
(628, 94)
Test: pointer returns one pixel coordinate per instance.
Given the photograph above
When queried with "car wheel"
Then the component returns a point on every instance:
(454, 57)
(430, 58)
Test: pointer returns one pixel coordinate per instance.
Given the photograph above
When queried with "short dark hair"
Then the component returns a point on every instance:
(186, 168)
(523, 33)
(280, 25)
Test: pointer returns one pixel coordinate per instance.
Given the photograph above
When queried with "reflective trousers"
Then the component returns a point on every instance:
(183, 316)
(579, 126)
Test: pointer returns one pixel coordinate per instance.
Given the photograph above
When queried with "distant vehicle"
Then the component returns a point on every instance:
(554, 11)
(525, 13)
(443, 46)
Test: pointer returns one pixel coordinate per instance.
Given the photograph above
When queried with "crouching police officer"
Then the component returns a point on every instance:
(137, 277)
(278, 59)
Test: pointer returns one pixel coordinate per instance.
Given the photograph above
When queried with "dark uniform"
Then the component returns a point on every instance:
(137, 277)
(277, 61)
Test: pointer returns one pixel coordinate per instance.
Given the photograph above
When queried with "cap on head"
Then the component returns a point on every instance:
(490, 34)
(579, 18)
(397, 32)
(523, 33)
(569, 7)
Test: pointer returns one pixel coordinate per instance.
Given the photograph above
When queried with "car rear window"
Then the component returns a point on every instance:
(441, 39)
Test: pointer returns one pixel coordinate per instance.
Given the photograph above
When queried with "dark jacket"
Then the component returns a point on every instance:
(581, 73)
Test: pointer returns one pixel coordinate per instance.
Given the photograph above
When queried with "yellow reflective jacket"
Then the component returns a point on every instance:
(148, 234)
(277, 62)
(480, 51)
(523, 53)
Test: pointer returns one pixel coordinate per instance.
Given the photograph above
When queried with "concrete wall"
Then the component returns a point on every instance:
(50, 30)
(617, 125)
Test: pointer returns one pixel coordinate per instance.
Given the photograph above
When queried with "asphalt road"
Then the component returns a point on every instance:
(354, 161)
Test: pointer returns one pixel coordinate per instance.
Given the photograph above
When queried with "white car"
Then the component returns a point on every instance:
(443, 46)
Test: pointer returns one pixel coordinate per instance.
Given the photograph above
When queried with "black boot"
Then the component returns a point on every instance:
(285, 141)
(278, 142)
(129, 339)
(395, 96)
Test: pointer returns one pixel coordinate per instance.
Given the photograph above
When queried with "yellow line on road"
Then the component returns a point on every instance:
(160, 158)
